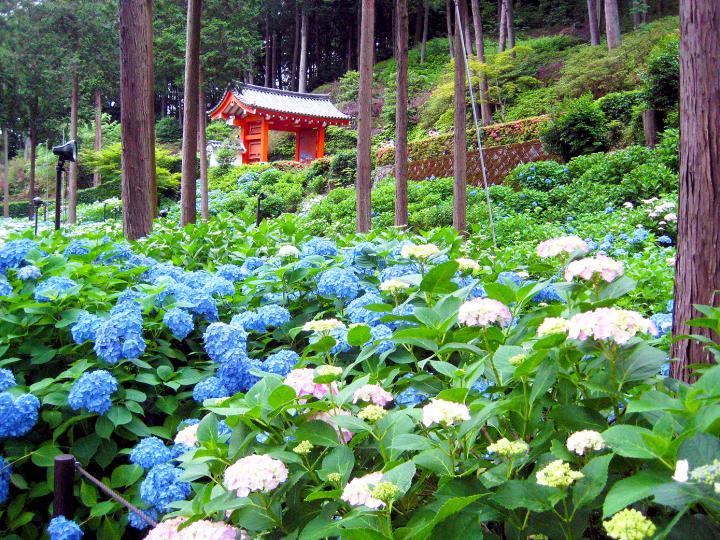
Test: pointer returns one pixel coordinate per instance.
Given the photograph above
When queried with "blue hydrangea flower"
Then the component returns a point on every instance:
(213, 285)
(340, 336)
(52, 288)
(478, 291)
(5, 287)
(639, 235)
(663, 322)
(410, 397)
(262, 437)
(141, 261)
(92, 391)
(136, 522)
(117, 252)
(252, 263)
(480, 386)
(179, 321)
(235, 374)
(225, 342)
(318, 246)
(592, 244)
(78, 248)
(120, 335)
(13, 253)
(339, 283)
(249, 321)
(86, 327)
(273, 315)
(664, 371)
(129, 295)
(665, 240)
(5, 472)
(7, 379)
(162, 486)
(382, 337)
(620, 252)
(403, 310)
(210, 388)
(203, 304)
(26, 273)
(548, 294)
(149, 452)
(61, 528)
(231, 272)
(397, 271)
(609, 210)
(156, 273)
(357, 312)
(19, 415)
(670, 307)
(281, 362)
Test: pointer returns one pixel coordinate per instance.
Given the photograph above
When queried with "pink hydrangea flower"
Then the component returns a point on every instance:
(187, 435)
(357, 491)
(445, 413)
(255, 473)
(563, 244)
(610, 324)
(608, 269)
(484, 312)
(344, 435)
(199, 530)
(372, 393)
(302, 381)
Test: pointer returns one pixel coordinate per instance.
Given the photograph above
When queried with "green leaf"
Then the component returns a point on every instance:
(280, 397)
(595, 475)
(402, 476)
(119, 415)
(351, 423)
(411, 441)
(317, 432)
(45, 455)
(424, 520)
(544, 379)
(700, 449)
(434, 460)
(359, 335)
(340, 460)
(438, 279)
(576, 418)
(617, 288)
(630, 490)
(104, 427)
(527, 494)
(125, 475)
(630, 441)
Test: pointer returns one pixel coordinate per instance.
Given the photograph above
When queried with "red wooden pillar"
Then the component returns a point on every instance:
(264, 140)
(320, 147)
(297, 145)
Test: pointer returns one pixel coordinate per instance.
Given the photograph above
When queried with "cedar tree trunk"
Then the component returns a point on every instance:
(364, 182)
(302, 70)
(612, 24)
(460, 154)
(73, 166)
(202, 144)
(401, 114)
(593, 22)
(426, 17)
(97, 178)
(485, 109)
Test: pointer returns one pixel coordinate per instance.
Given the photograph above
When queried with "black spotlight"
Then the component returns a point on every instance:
(163, 212)
(64, 152)
(37, 203)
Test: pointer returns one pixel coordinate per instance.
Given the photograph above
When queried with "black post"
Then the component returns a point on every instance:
(37, 211)
(58, 192)
(258, 217)
(64, 502)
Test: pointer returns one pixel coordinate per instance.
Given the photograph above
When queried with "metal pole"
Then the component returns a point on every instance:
(37, 213)
(477, 124)
(58, 192)
(63, 499)
(258, 217)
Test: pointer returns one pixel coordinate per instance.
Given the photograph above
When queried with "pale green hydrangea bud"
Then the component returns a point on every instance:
(629, 524)
(372, 413)
(385, 492)
(305, 447)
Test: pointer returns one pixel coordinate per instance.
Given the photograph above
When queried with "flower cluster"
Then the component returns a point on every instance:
(467, 265)
(5, 473)
(585, 441)
(557, 474)
(120, 335)
(13, 253)
(149, 452)
(552, 325)
(357, 310)
(618, 325)
(606, 268)
(268, 316)
(7, 379)
(255, 473)
(629, 524)
(288, 250)
(26, 273)
(563, 244)
(53, 288)
(281, 362)
(323, 326)
(484, 312)
(92, 391)
(393, 286)
(445, 413)
(421, 252)
(225, 342)
(303, 382)
(358, 492)
(339, 283)
(372, 393)
(162, 486)
(179, 321)
(61, 528)
(198, 530)
(508, 449)
(18, 415)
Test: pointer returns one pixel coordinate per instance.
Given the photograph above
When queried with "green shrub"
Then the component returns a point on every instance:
(225, 157)
(619, 106)
(668, 149)
(649, 180)
(338, 139)
(168, 130)
(219, 131)
(585, 196)
(343, 167)
(531, 103)
(539, 175)
(349, 86)
(662, 77)
(580, 129)
(615, 165)
(319, 167)
(318, 184)
(578, 165)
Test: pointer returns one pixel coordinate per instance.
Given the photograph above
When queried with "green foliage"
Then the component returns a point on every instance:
(225, 157)
(339, 139)
(533, 102)
(668, 149)
(168, 130)
(219, 131)
(541, 175)
(649, 180)
(619, 106)
(662, 77)
(611, 168)
(579, 129)
(343, 167)
(349, 86)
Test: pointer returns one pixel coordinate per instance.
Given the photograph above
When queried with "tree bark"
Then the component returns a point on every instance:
(401, 114)
(274, 80)
(612, 24)
(188, 182)
(465, 25)
(97, 178)
(485, 109)
(636, 14)
(136, 117)
(302, 71)
(650, 128)
(202, 144)
(418, 24)
(593, 23)
(426, 18)
(33, 151)
(6, 169)
(449, 19)
(268, 52)
(364, 182)
(296, 50)
(73, 167)
(154, 203)
(510, 22)
(460, 142)
(502, 27)
(697, 276)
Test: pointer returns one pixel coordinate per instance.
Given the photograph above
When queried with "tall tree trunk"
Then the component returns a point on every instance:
(33, 152)
(97, 178)
(73, 167)
(465, 25)
(650, 127)
(6, 174)
(502, 27)
(460, 142)
(697, 276)
(154, 203)
(364, 182)
(449, 19)
(612, 24)
(302, 72)
(401, 114)
(485, 109)
(296, 50)
(636, 14)
(274, 81)
(188, 182)
(268, 52)
(202, 144)
(418, 24)
(136, 117)
(426, 20)
(593, 23)
(510, 22)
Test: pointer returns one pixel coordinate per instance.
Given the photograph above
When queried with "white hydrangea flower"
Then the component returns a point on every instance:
(323, 326)
(467, 264)
(584, 441)
(557, 474)
(288, 251)
(446, 413)
(681, 470)
(552, 325)
(421, 251)
(393, 286)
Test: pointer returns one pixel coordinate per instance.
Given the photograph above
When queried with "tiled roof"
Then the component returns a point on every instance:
(284, 101)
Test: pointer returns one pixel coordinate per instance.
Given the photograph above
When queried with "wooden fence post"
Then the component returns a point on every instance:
(64, 500)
